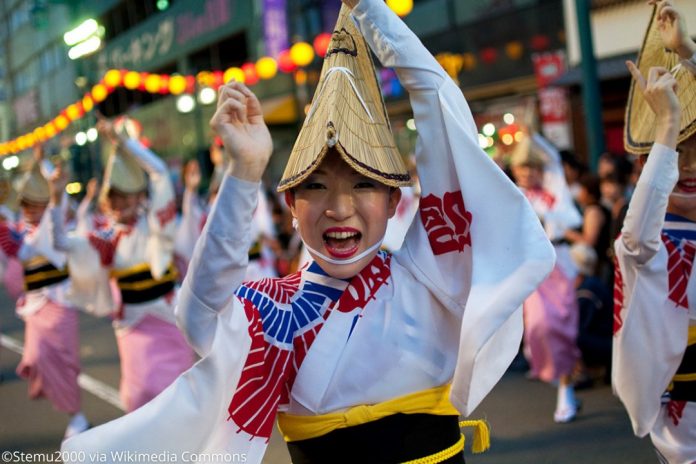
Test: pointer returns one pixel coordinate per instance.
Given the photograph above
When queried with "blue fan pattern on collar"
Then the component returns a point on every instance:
(289, 304)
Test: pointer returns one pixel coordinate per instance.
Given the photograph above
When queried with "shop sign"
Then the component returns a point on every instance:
(185, 27)
(275, 27)
(553, 101)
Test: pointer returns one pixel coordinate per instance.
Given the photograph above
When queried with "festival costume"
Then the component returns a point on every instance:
(50, 361)
(551, 313)
(655, 318)
(139, 257)
(339, 358)
(654, 355)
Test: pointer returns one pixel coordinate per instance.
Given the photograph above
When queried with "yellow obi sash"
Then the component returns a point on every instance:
(137, 284)
(39, 272)
(683, 385)
(433, 401)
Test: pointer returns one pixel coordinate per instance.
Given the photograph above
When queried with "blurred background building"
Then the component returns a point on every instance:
(516, 61)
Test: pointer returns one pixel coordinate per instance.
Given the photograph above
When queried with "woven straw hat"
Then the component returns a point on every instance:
(33, 186)
(123, 173)
(528, 153)
(639, 132)
(347, 114)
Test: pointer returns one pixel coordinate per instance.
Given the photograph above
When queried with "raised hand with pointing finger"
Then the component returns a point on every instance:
(660, 92)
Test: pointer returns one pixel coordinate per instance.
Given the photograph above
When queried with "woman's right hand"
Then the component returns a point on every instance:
(239, 122)
(660, 92)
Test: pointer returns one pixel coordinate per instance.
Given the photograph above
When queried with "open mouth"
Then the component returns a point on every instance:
(342, 242)
(687, 185)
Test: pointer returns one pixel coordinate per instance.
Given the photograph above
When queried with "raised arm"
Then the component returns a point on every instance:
(220, 257)
(454, 172)
(640, 236)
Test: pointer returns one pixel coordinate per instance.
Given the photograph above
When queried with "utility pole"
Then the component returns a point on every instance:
(592, 100)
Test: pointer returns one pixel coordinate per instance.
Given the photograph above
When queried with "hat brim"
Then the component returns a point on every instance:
(639, 130)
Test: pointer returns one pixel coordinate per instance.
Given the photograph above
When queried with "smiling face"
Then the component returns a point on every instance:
(341, 213)
(683, 202)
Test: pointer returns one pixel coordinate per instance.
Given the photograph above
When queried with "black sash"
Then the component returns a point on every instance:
(392, 439)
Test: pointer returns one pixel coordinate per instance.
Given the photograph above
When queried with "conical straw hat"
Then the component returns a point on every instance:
(528, 153)
(639, 132)
(123, 173)
(34, 187)
(348, 114)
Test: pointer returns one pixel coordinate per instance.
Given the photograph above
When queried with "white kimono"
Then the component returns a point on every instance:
(655, 304)
(445, 308)
(93, 254)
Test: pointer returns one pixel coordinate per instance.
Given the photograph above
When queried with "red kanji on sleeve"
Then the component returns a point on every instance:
(447, 222)
(167, 214)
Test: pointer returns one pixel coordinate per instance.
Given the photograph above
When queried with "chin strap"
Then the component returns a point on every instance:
(347, 260)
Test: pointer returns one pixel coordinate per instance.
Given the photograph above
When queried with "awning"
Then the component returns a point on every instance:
(607, 69)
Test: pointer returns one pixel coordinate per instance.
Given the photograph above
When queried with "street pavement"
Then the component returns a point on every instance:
(518, 410)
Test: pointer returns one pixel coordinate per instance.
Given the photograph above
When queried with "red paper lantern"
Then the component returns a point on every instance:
(285, 63)
(321, 43)
(489, 55)
(251, 77)
(540, 42)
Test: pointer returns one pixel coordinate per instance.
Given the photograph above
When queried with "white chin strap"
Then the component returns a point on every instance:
(683, 195)
(351, 260)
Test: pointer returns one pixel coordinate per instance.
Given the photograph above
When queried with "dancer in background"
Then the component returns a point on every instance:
(551, 312)
(51, 358)
(654, 357)
(135, 245)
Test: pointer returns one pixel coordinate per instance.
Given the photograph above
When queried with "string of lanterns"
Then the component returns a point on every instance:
(300, 55)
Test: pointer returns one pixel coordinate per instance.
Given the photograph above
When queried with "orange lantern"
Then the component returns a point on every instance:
(74, 112)
(113, 77)
(164, 84)
(301, 53)
(50, 130)
(514, 50)
(40, 134)
(205, 78)
(21, 145)
(99, 93)
(131, 80)
(177, 84)
(233, 73)
(61, 122)
(153, 82)
(468, 61)
(301, 77)
(250, 75)
(321, 43)
(400, 7)
(285, 63)
(87, 103)
(266, 67)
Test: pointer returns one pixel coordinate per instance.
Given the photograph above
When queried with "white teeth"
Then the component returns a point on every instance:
(341, 235)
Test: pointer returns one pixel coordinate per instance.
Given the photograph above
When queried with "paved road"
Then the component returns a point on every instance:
(518, 410)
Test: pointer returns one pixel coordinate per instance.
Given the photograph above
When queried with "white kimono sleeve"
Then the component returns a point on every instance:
(650, 329)
(476, 243)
